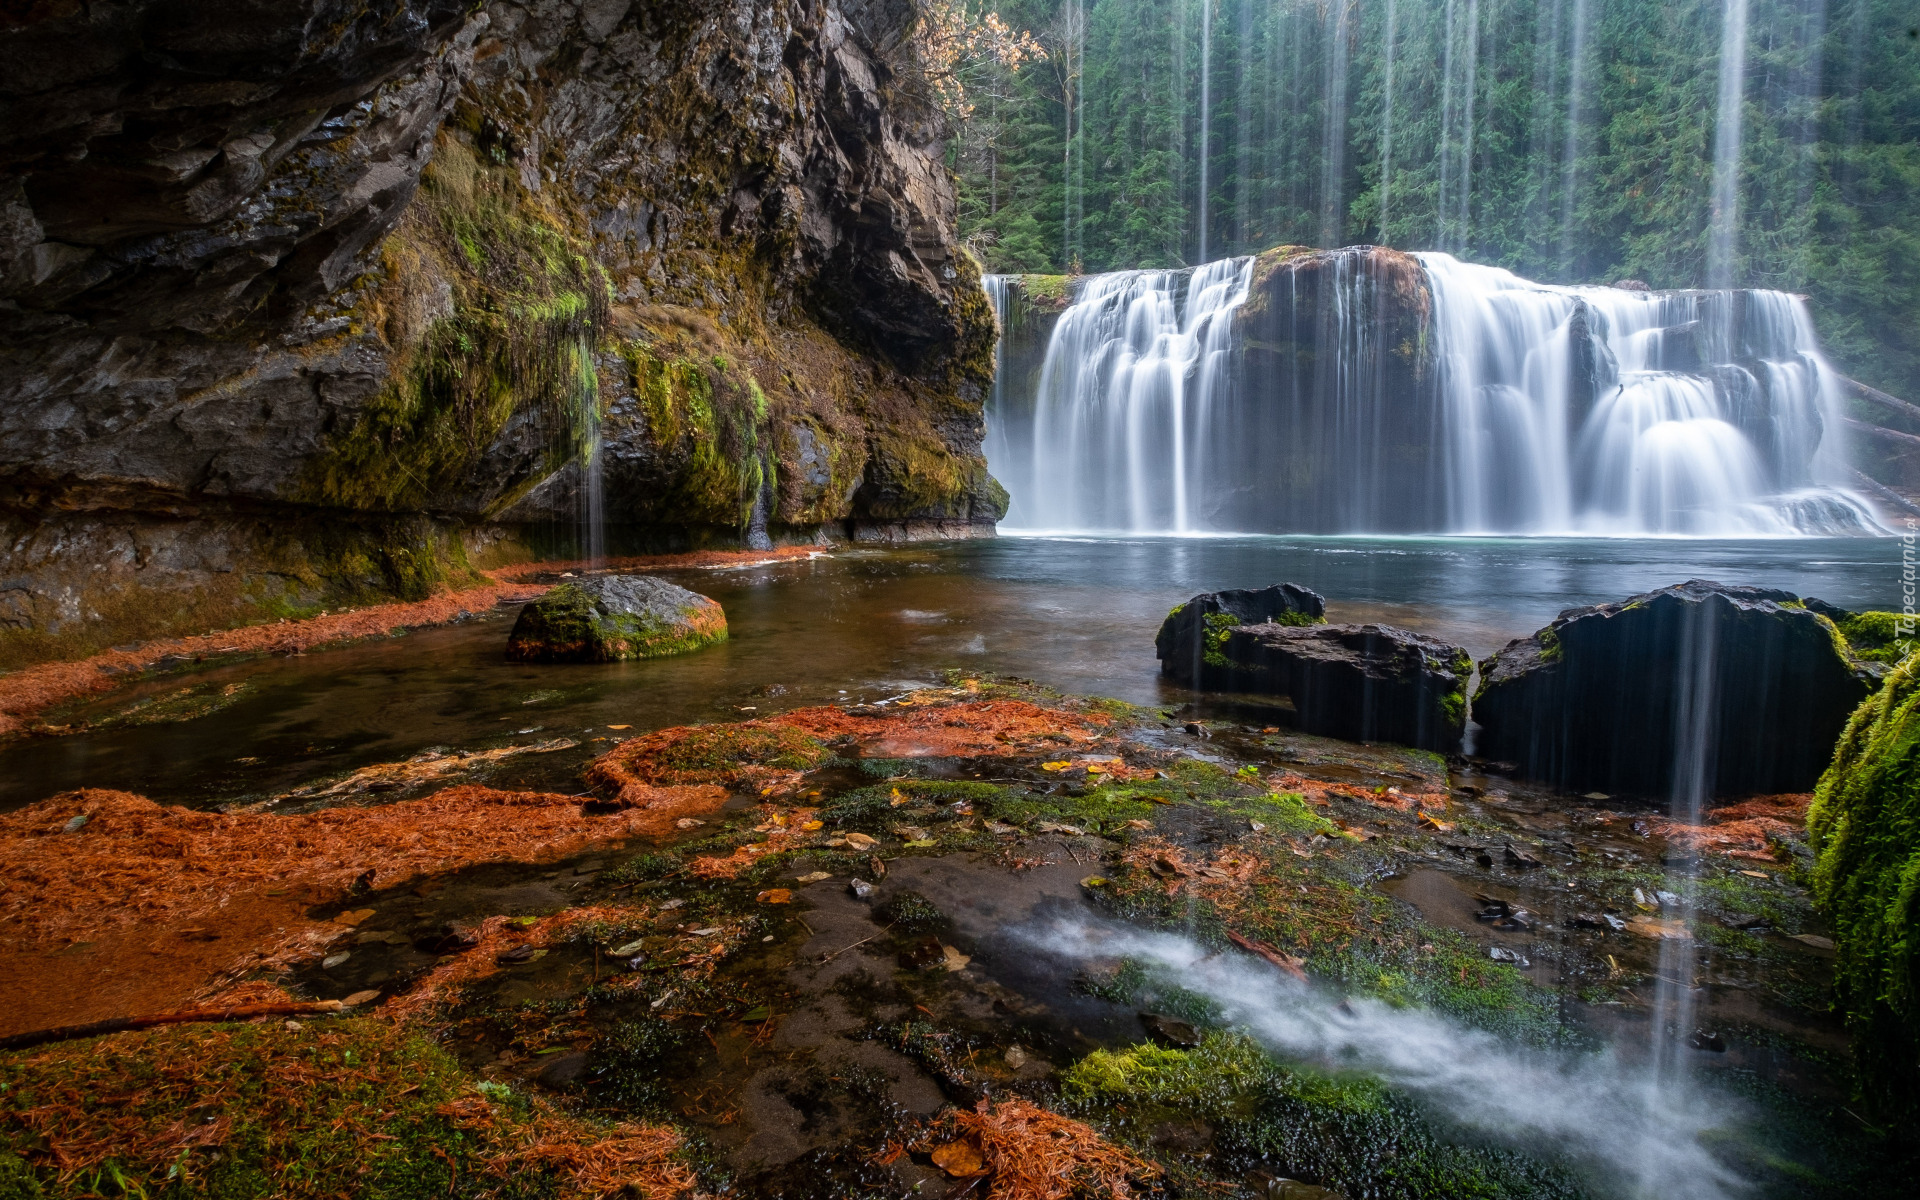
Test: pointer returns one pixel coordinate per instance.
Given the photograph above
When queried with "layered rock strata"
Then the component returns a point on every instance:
(310, 301)
(1363, 683)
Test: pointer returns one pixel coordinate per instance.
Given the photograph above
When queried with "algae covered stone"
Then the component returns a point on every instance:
(613, 618)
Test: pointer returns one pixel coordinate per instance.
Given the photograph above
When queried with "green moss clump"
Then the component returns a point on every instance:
(911, 912)
(1879, 636)
(710, 418)
(513, 329)
(1550, 650)
(1213, 639)
(1865, 828)
(709, 753)
(568, 625)
(375, 1129)
(1348, 1132)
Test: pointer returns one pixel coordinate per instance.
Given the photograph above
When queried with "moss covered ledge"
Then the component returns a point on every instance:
(1865, 827)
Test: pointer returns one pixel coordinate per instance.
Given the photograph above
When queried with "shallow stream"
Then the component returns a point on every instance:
(1078, 614)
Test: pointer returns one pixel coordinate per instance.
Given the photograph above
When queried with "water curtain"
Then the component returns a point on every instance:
(1515, 408)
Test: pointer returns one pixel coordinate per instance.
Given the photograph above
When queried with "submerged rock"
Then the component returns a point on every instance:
(1363, 683)
(1616, 696)
(1190, 639)
(613, 618)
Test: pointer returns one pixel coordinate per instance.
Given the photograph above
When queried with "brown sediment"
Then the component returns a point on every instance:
(1317, 791)
(493, 937)
(1028, 1152)
(770, 754)
(627, 1158)
(1745, 829)
(953, 729)
(786, 828)
(694, 560)
(143, 905)
(137, 861)
(35, 689)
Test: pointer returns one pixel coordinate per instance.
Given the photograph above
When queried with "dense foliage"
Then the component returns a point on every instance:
(1865, 823)
(1571, 140)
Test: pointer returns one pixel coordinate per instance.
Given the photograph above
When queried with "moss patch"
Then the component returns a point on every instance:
(1879, 636)
(1349, 1133)
(491, 309)
(235, 1111)
(1865, 827)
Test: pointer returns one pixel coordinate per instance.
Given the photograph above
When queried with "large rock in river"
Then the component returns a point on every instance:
(1190, 639)
(1363, 683)
(615, 617)
(1742, 689)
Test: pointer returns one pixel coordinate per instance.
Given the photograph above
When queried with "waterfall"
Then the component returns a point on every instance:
(1206, 115)
(1499, 406)
(1129, 383)
(1724, 213)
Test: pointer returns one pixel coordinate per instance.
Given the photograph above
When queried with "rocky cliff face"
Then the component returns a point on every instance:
(306, 301)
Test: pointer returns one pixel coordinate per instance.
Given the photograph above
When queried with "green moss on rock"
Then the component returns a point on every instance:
(1865, 827)
(490, 309)
(615, 618)
(1879, 636)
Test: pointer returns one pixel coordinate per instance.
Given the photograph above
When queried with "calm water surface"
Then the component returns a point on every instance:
(1075, 613)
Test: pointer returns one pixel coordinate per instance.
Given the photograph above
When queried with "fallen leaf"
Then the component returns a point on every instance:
(353, 918)
(776, 896)
(1652, 927)
(1757, 874)
(1094, 881)
(860, 841)
(962, 1160)
(955, 961)
(1055, 766)
(619, 727)
(359, 998)
(815, 876)
(812, 826)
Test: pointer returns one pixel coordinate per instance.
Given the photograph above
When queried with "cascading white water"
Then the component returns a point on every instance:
(1647, 1134)
(1542, 410)
(1682, 437)
(1131, 373)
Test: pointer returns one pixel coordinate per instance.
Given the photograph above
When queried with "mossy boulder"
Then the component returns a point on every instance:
(1362, 683)
(613, 618)
(1608, 697)
(1190, 639)
(1865, 826)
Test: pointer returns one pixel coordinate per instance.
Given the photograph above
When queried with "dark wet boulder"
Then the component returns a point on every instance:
(1188, 644)
(612, 618)
(1745, 689)
(1362, 683)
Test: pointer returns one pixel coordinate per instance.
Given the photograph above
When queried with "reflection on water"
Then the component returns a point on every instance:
(1075, 613)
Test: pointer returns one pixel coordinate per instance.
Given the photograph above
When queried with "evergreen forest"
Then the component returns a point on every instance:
(1683, 143)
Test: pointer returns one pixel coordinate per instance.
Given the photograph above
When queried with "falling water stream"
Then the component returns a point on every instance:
(1550, 410)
